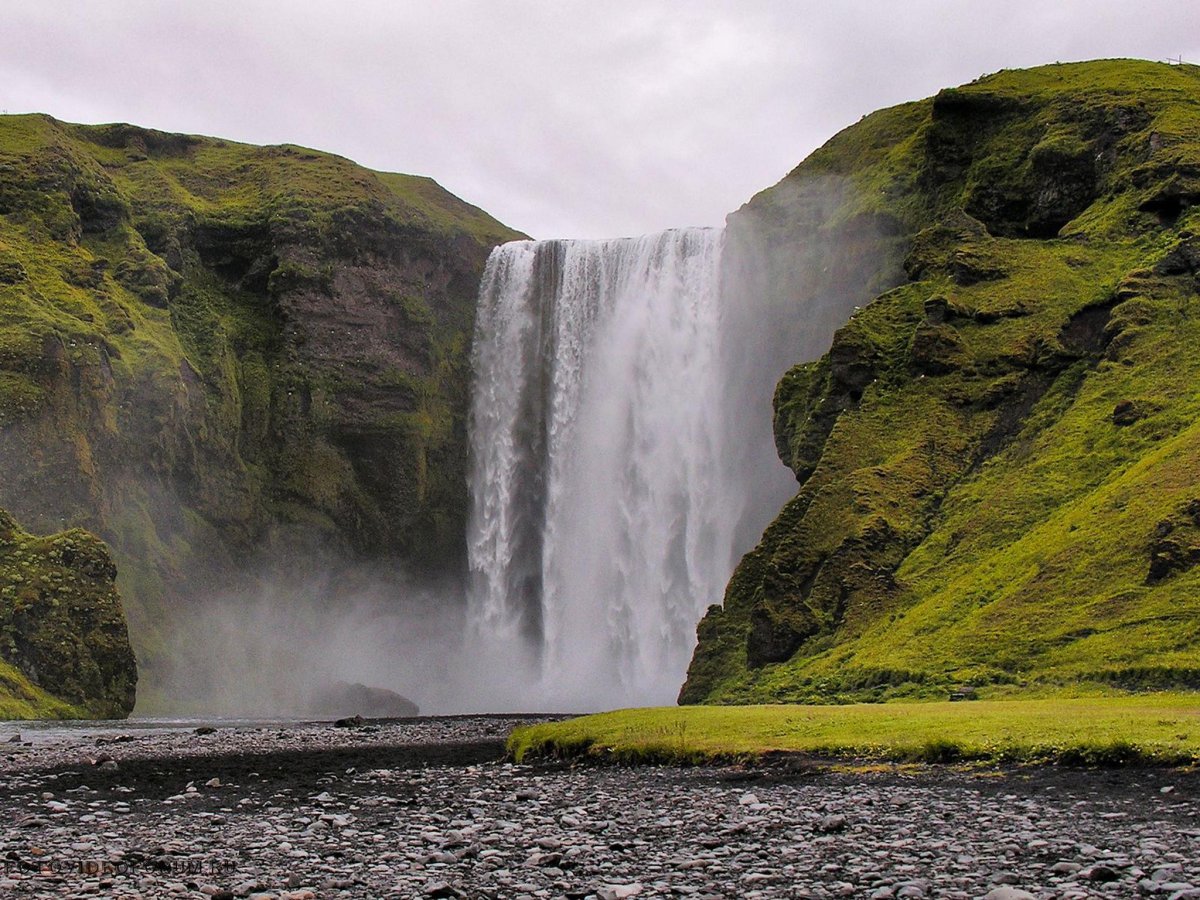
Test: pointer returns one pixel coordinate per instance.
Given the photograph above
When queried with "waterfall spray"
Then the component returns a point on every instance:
(603, 510)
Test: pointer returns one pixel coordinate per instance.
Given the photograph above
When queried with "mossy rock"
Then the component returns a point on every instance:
(64, 642)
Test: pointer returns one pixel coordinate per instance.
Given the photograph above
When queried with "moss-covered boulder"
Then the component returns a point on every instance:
(64, 644)
(997, 458)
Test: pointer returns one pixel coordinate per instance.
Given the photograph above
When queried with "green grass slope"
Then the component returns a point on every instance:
(998, 457)
(210, 349)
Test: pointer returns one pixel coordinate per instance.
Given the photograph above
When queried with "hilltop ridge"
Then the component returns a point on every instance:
(996, 458)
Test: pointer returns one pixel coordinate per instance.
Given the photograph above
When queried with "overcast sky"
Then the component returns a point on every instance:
(563, 119)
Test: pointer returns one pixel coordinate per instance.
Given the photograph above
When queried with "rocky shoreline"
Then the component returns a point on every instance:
(429, 808)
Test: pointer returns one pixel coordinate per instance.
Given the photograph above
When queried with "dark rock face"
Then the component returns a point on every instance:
(1176, 545)
(1127, 412)
(217, 352)
(1035, 189)
(936, 349)
(61, 621)
(361, 700)
(774, 637)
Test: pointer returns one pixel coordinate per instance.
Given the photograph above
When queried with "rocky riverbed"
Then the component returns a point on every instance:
(428, 808)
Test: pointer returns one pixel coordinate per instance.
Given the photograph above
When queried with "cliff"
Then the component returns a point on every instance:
(996, 457)
(64, 644)
(211, 351)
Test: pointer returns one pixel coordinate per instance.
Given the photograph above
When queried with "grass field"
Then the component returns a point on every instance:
(1121, 730)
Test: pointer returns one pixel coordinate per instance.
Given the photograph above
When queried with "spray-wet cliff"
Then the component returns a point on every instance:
(209, 349)
(64, 644)
(997, 457)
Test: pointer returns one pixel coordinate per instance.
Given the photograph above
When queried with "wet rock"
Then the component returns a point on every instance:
(831, 825)
(1100, 874)
(619, 891)
(371, 702)
(1007, 892)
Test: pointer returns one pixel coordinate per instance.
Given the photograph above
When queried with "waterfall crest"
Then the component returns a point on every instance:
(604, 504)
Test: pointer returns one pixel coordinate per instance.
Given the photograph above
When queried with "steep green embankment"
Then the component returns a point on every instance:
(64, 645)
(210, 349)
(997, 459)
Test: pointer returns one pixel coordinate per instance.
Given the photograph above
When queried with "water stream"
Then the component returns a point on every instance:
(605, 506)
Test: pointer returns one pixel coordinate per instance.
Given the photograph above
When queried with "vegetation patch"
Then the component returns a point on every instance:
(1149, 729)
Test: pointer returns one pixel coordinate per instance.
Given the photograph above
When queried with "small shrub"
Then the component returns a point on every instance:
(939, 750)
(1112, 755)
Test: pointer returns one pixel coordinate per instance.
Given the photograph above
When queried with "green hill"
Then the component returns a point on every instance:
(210, 351)
(998, 458)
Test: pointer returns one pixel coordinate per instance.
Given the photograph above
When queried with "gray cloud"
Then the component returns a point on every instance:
(575, 118)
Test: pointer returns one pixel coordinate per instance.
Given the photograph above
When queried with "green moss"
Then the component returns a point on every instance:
(994, 457)
(64, 643)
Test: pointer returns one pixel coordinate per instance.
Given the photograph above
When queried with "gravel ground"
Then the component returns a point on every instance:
(426, 808)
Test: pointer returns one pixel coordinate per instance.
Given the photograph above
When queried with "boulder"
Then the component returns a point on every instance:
(341, 698)
(62, 624)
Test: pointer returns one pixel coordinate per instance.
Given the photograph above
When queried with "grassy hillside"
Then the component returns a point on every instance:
(997, 458)
(209, 350)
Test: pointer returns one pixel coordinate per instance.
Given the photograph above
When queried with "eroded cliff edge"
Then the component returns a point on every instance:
(996, 457)
(210, 351)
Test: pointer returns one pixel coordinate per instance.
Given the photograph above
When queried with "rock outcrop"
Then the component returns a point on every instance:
(996, 457)
(343, 698)
(64, 644)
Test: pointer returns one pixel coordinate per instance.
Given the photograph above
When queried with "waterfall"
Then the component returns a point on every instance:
(604, 501)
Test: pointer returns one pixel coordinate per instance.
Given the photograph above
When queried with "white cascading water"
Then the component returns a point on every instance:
(603, 507)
